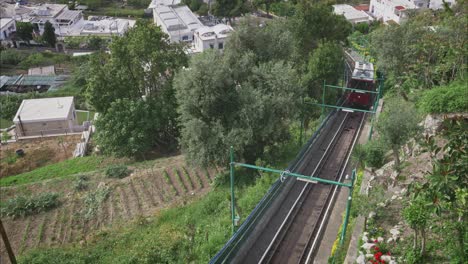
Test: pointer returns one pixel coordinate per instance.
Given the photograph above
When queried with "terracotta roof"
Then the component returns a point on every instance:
(362, 7)
(399, 7)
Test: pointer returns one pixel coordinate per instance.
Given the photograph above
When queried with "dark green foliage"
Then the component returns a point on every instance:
(230, 8)
(12, 57)
(445, 99)
(266, 4)
(28, 205)
(362, 27)
(283, 8)
(139, 3)
(134, 83)
(249, 111)
(24, 31)
(437, 58)
(43, 59)
(126, 129)
(315, 23)
(325, 65)
(117, 171)
(203, 10)
(374, 152)
(49, 34)
(397, 124)
(194, 5)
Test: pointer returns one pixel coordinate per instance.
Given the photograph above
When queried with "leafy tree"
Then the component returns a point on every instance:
(230, 8)
(129, 123)
(248, 111)
(93, 4)
(267, 3)
(397, 123)
(446, 186)
(141, 65)
(49, 34)
(436, 59)
(325, 65)
(272, 42)
(417, 216)
(313, 24)
(24, 31)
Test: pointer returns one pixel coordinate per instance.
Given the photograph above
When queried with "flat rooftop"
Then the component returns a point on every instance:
(351, 13)
(44, 109)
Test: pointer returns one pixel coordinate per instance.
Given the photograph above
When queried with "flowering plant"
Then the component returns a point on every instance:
(378, 250)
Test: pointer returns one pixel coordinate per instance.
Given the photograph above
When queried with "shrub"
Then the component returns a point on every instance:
(93, 201)
(445, 99)
(374, 154)
(117, 171)
(12, 57)
(24, 205)
(81, 183)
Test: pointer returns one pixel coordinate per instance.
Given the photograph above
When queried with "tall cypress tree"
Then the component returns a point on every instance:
(49, 34)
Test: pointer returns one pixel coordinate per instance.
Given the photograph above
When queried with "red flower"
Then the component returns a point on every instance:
(377, 248)
(378, 255)
(376, 241)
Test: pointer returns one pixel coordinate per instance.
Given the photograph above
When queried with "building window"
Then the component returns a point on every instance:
(220, 45)
(185, 38)
(211, 46)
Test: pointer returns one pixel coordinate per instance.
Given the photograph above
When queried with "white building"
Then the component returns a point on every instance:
(211, 37)
(46, 116)
(176, 20)
(66, 22)
(352, 14)
(7, 27)
(395, 11)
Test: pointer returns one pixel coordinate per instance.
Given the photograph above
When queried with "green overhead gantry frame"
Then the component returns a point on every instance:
(283, 174)
(375, 104)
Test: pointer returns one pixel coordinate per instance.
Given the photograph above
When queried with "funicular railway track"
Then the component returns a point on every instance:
(293, 233)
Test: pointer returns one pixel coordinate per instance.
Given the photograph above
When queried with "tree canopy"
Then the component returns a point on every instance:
(24, 31)
(138, 72)
(49, 34)
(219, 108)
(437, 58)
(397, 123)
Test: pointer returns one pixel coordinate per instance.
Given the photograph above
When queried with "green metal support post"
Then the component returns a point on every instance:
(348, 207)
(233, 203)
(323, 102)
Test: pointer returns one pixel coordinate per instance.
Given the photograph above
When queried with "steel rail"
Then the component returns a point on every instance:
(335, 191)
(268, 249)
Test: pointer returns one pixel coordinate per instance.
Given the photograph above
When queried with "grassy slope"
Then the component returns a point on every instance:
(58, 170)
(192, 233)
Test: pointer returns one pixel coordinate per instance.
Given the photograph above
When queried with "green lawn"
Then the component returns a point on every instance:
(81, 116)
(5, 123)
(57, 170)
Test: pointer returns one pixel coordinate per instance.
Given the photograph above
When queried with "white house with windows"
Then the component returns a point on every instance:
(395, 11)
(7, 27)
(176, 20)
(214, 37)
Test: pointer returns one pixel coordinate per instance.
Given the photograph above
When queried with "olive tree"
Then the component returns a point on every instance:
(397, 124)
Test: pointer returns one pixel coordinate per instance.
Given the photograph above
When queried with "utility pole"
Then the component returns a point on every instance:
(10, 252)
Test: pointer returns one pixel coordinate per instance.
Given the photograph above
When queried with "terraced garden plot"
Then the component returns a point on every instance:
(141, 194)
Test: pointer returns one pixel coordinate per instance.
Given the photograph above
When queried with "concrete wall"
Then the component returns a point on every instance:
(7, 30)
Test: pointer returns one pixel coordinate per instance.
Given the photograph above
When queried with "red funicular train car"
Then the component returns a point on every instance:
(362, 80)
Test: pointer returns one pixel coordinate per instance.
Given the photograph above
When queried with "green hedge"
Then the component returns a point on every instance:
(445, 99)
